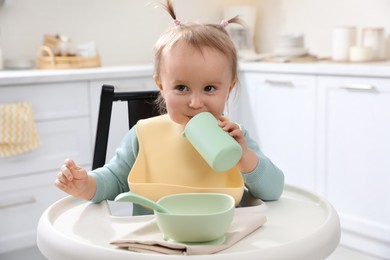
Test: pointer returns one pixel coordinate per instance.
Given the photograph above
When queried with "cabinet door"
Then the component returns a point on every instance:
(62, 120)
(119, 125)
(355, 154)
(61, 139)
(278, 110)
(22, 201)
(50, 101)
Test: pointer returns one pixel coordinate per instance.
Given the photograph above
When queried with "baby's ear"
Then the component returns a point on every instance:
(157, 81)
(232, 85)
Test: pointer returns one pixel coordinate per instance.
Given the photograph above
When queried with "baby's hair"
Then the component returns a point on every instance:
(169, 7)
(198, 36)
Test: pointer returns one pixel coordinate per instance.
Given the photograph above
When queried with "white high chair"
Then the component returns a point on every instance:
(300, 225)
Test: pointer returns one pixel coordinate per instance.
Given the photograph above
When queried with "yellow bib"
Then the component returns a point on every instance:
(168, 164)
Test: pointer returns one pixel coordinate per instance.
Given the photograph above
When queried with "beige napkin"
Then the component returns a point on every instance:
(149, 239)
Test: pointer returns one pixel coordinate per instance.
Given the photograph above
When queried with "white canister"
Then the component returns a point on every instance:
(373, 38)
(343, 38)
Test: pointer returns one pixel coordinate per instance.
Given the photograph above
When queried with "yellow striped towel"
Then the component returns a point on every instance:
(18, 133)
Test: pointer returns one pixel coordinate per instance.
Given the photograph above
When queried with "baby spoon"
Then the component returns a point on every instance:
(141, 200)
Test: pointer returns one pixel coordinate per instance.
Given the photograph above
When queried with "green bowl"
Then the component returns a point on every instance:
(195, 217)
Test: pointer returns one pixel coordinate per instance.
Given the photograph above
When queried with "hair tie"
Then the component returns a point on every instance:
(176, 22)
(224, 23)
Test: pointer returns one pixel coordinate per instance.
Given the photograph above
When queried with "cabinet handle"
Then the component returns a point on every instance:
(279, 83)
(17, 202)
(358, 87)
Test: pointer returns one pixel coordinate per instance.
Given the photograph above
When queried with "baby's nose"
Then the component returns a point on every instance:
(196, 102)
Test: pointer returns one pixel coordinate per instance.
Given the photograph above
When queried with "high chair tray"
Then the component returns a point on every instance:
(300, 225)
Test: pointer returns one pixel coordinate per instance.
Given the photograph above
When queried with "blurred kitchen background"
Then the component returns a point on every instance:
(124, 32)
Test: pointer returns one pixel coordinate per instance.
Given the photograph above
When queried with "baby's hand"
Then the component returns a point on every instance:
(249, 159)
(72, 179)
(234, 130)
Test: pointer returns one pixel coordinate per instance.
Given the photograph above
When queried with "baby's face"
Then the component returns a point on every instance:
(192, 81)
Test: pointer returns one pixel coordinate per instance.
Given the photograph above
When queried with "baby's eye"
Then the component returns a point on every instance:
(209, 88)
(181, 88)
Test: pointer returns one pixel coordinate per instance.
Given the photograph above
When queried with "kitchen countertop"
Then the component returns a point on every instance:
(368, 69)
(17, 77)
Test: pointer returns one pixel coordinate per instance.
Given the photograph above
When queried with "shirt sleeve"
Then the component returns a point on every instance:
(266, 181)
(111, 179)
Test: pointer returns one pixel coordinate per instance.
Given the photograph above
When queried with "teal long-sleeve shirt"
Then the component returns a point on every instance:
(265, 182)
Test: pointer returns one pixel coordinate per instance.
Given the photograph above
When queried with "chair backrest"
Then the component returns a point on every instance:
(140, 105)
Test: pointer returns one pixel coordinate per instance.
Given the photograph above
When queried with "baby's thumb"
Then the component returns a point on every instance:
(74, 168)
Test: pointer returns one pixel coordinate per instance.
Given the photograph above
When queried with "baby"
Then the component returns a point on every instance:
(195, 71)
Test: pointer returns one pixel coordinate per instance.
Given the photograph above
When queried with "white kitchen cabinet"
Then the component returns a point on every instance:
(279, 112)
(353, 156)
(65, 105)
(62, 119)
(23, 199)
(329, 133)
(27, 188)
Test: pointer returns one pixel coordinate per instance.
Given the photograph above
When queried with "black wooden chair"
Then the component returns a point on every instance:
(140, 105)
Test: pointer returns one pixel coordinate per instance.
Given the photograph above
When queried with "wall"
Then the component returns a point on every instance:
(316, 19)
(125, 30)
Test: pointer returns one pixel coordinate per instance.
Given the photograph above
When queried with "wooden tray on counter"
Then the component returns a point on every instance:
(47, 60)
